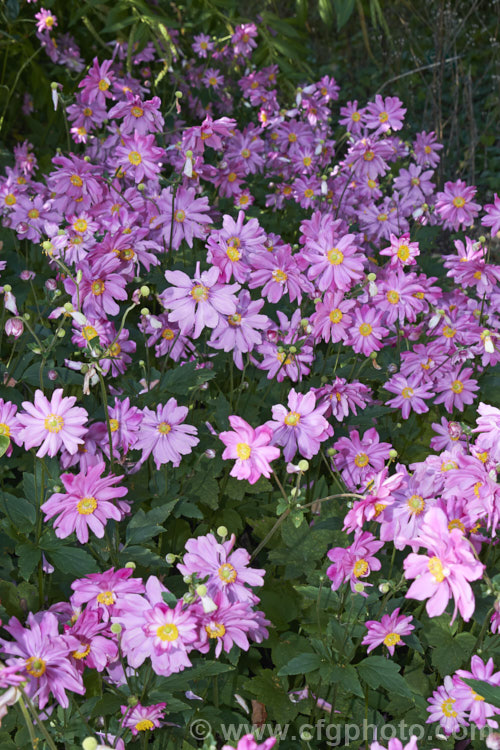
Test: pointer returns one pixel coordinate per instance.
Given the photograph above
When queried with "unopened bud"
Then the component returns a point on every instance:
(393, 453)
(132, 701)
(373, 355)
(201, 590)
(61, 333)
(331, 451)
(384, 587)
(189, 154)
(170, 558)
(292, 349)
(303, 465)
(144, 311)
(145, 291)
(222, 531)
(178, 95)
(371, 277)
(141, 187)
(210, 453)
(131, 564)
(359, 587)
(188, 598)
(482, 239)
(116, 628)
(52, 375)
(90, 743)
(14, 327)
(7, 288)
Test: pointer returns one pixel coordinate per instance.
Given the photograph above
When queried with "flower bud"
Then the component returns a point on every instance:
(89, 743)
(144, 311)
(7, 288)
(145, 291)
(188, 598)
(132, 701)
(210, 453)
(359, 587)
(222, 531)
(51, 285)
(141, 187)
(52, 375)
(61, 333)
(481, 239)
(116, 628)
(371, 277)
(331, 451)
(493, 741)
(178, 95)
(201, 590)
(306, 735)
(303, 465)
(393, 453)
(292, 349)
(170, 558)
(14, 327)
(384, 587)
(131, 564)
(189, 154)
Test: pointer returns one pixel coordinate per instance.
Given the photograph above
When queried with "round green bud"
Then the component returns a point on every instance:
(141, 187)
(68, 307)
(131, 564)
(482, 239)
(186, 579)
(170, 558)
(373, 355)
(54, 85)
(303, 465)
(189, 154)
(7, 288)
(201, 590)
(47, 245)
(359, 587)
(280, 349)
(393, 453)
(222, 531)
(306, 735)
(132, 701)
(89, 743)
(384, 587)
(324, 177)
(317, 300)
(61, 333)
(145, 291)
(304, 322)
(324, 379)
(188, 598)
(293, 492)
(331, 452)
(116, 628)
(144, 311)
(371, 277)
(178, 94)
(84, 370)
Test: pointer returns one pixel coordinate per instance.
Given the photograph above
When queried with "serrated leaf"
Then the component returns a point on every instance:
(72, 561)
(450, 652)
(301, 664)
(347, 677)
(18, 510)
(29, 557)
(141, 529)
(377, 671)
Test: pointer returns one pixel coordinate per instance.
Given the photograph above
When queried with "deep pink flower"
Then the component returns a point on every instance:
(456, 389)
(96, 649)
(401, 251)
(443, 707)
(335, 263)
(9, 423)
(384, 114)
(227, 570)
(410, 394)
(45, 20)
(229, 624)
(143, 116)
(492, 219)
(331, 319)
(388, 631)
(480, 712)
(455, 205)
(52, 424)
(358, 457)
(250, 448)
(248, 742)
(163, 434)
(86, 504)
(241, 332)
(139, 156)
(366, 333)
(44, 655)
(354, 562)
(301, 426)
(109, 592)
(446, 570)
(182, 218)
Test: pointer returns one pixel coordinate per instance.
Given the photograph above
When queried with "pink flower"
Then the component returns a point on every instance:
(45, 20)
(86, 504)
(492, 219)
(9, 423)
(109, 592)
(139, 156)
(401, 251)
(443, 707)
(52, 424)
(455, 205)
(229, 624)
(163, 435)
(388, 631)
(358, 457)
(480, 712)
(96, 647)
(143, 718)
(200, 302)
(250, 448)
(410, 394)
(354, 562)
(384, 114)
(301, 426)
(44, 655)
(335, 263)
(227, 570)
(248, 742)
(331, 320)
(456, 389)
(366, 333)
(182, 218)
(446, 570)
(425, 148)
(395, 744)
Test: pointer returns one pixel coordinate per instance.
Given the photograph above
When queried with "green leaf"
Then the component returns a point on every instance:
(29, 557)
(347, 677)
(325, 10)
(490, 693)
(142, 528)
(377, 671)
(343, 9)
(4, 444)
(273, 693)
(18, 510)
(72, 561)
(301, 664)
(109, 704)
(199, 671)
(450, 652)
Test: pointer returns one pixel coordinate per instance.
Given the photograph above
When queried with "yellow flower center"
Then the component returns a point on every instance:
(144, 724)
(292, 418)
(33, 213)
(113, 425)
(234, 320)
(361, 460)
(336, 315)
(76, 180)
(4, 429)
(361, 568)
(392, 639)
(416, 504)
(306, 161)
(54, 423)
(407, 392)
(308, 193)
(231, 176)
(180, 216)
(447, 707)
(137, 111)
(483, 457)
(199, 293)
(215, 630)
(103, 85)
(87, 112)
(449, 332)
(365, 329)
(126, 254)
(292, 137)
(35, 666)
(456, 523)
(167, 632)
(436, 568)
(392, 296)
(81, 654)
(10, 199)
(356, 117)
(80, 225)
(97, 287)
(459, 202)
(233, 253)
(227, 573)
(212, 81)
(49, 21)
(335, 256)
(368, 155)
(383, 117)
(403, 252)
(427, 149)
(89, 333)
(449, 466)
(167, 334)
(243, 451)
(382, 217)
(134, 158)
(106, 597)
(86, 506)
(115, 350)
(279, 276)
(164, 428)
(457, 386)
(476, 696)
(245, 153)
(415, 181)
